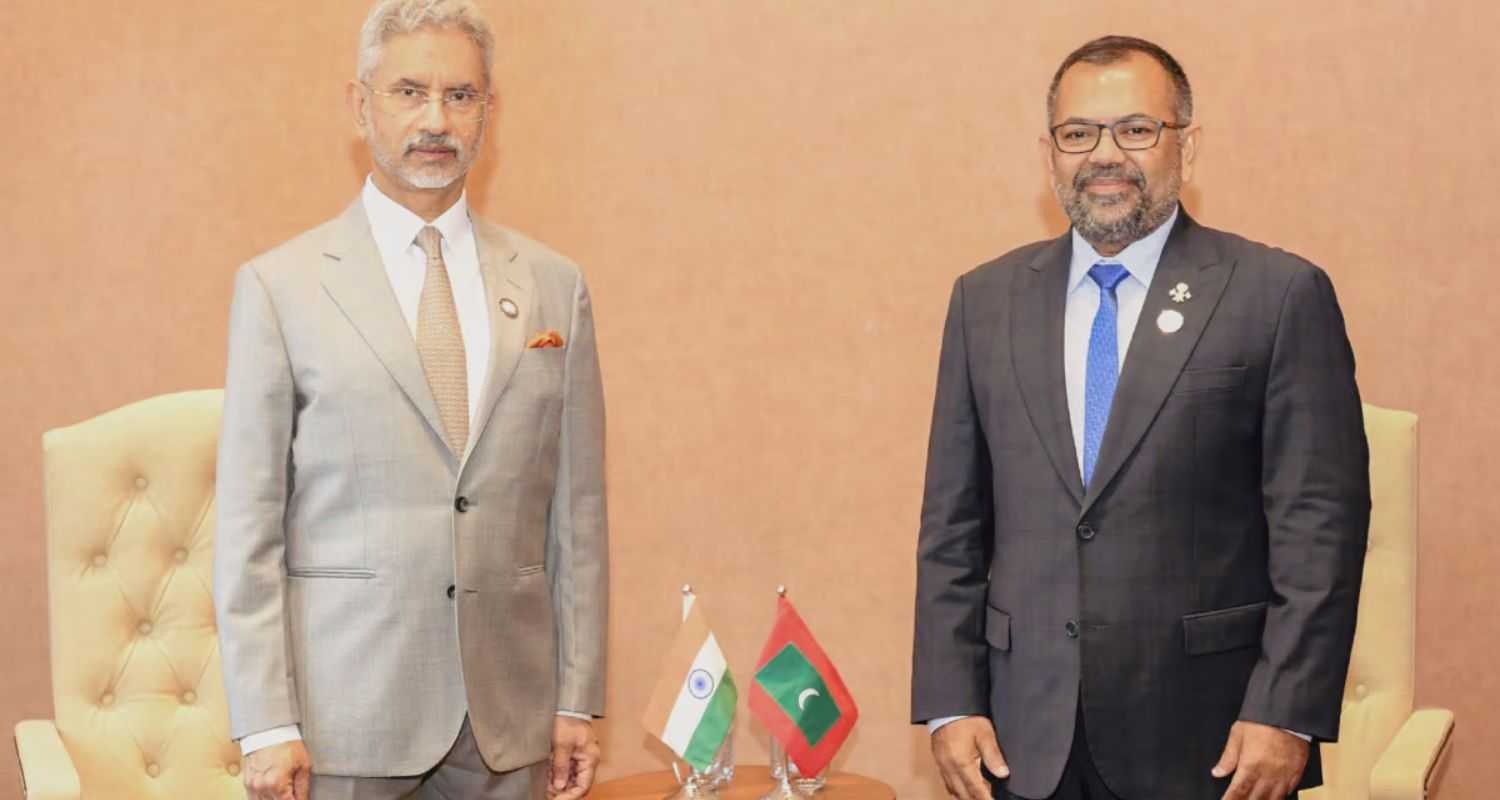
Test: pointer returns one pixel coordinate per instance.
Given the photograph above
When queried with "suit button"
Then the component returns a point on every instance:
(1086, 531)
(1072, 629)
(450, 591)
(462, 504)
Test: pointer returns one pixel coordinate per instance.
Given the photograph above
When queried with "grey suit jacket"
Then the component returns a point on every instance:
(1211, 570)
(369, 585)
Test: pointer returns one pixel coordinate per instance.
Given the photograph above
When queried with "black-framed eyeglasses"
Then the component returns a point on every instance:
(1131, 133)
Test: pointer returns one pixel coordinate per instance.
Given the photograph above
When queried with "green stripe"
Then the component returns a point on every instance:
(714, 726)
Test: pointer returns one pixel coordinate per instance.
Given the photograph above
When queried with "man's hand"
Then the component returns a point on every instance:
(575, 754)
(959, 747)
(1266, 761)
(279, 772)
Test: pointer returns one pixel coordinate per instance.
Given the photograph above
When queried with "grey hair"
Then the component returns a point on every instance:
(393, 17)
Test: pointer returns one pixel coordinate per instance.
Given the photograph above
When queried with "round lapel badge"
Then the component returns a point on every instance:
(1170, 321)
(508, 307)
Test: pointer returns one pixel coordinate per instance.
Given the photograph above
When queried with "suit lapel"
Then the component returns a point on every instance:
(507, 276)
(1155, 358)
(1036, 352)
(352, 274)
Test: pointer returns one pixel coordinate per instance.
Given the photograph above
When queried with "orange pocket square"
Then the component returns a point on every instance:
(545, 339)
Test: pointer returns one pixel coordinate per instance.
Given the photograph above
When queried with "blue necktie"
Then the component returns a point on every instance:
(1103, 369)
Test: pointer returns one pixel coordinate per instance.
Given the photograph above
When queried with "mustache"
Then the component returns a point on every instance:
(1088, 173)
(428, 141)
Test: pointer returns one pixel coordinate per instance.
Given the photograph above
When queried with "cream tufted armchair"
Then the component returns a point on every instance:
(1387, 751)
(136, 685)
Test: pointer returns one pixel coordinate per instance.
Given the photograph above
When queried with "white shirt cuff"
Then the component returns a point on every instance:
(1304, 737)
(574, 714)
(263, 739)
(934, 724)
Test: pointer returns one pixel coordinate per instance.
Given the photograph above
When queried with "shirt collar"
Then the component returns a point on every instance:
(1140, 257)
(395, 227)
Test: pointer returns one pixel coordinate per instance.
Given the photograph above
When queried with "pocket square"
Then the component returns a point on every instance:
(545, 339)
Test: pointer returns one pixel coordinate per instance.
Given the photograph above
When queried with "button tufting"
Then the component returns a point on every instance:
(233, 769)
(144, 628)
(189, 698)
(180, 554)
(140, 483)
(153, 770)
(100, 559)
(1360, 691)
(107, 699)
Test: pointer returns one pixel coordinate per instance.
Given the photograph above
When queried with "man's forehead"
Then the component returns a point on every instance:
(1133, 85)
(447, 54)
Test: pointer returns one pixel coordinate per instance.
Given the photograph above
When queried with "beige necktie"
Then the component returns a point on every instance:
(440, 344)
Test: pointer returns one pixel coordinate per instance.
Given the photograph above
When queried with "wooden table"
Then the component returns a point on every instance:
(750, 782)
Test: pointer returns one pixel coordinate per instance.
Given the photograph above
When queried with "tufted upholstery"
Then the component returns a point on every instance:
(136, 684)
(1385, 750)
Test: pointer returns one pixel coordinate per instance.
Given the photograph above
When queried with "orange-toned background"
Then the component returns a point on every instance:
(771, 199)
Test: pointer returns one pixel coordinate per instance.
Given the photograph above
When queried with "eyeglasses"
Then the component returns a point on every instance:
(461, 103)
(1133, 133)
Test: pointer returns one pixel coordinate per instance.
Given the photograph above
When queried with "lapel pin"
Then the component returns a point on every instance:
(1170, 321)
(1180, 293)
(508, 307)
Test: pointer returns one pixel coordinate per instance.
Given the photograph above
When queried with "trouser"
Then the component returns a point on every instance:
(461, 775)
(1080, 778)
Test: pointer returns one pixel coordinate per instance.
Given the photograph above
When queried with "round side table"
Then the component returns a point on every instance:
(750, 782)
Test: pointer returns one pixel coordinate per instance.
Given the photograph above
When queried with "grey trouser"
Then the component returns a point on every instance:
(461, 775)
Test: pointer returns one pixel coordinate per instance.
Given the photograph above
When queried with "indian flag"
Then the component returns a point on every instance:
(692, 707)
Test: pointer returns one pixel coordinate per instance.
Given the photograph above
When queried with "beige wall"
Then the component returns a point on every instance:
(771, 199)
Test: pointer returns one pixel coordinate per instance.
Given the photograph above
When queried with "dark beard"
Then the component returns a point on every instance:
(1144, 218)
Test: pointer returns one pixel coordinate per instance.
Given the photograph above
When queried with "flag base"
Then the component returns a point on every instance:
(790, 784)
(786, 790)
(696, 787)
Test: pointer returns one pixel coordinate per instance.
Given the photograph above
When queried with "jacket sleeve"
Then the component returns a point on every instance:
(950, 658)
(250, 501)
(578, 525)
(1316, 489)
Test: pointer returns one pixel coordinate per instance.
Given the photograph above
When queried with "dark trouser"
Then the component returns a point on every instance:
(1081, 780)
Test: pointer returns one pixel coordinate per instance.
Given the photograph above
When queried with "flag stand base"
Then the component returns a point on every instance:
(697, 787)
(790, 785)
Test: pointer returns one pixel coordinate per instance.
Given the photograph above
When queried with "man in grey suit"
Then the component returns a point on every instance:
(411, 560)
(1147, 491)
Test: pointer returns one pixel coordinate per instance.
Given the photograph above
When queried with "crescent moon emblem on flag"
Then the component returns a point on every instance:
(802, 698)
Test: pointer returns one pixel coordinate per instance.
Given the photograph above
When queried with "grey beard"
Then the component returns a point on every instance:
(1146, 217)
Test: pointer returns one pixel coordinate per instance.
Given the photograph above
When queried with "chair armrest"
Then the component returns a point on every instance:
(1402, 771)
(46, 769)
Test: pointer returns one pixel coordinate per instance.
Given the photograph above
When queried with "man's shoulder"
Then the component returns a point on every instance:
(1270, 262)
(292, 256)
(1000, 271)
(548, 266)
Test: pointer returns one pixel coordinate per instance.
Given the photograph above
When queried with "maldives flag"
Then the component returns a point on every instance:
(799, 696)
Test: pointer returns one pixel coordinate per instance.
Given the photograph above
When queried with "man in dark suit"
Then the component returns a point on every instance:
(1147, 492)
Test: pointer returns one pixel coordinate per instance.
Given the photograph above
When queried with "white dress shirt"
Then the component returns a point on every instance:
(395, 228)
(1139, 259)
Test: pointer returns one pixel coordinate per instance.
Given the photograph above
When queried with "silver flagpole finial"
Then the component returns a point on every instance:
(687, 588)
(781, 591)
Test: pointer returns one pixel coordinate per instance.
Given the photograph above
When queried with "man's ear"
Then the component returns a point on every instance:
(1192, 136)
(1044, 151)
(358, 101)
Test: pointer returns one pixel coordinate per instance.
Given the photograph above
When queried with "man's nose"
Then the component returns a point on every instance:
(433, 118)
(1107, 152)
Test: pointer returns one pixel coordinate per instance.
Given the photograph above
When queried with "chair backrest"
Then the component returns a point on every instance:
(1382, 674)
(136, 682)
